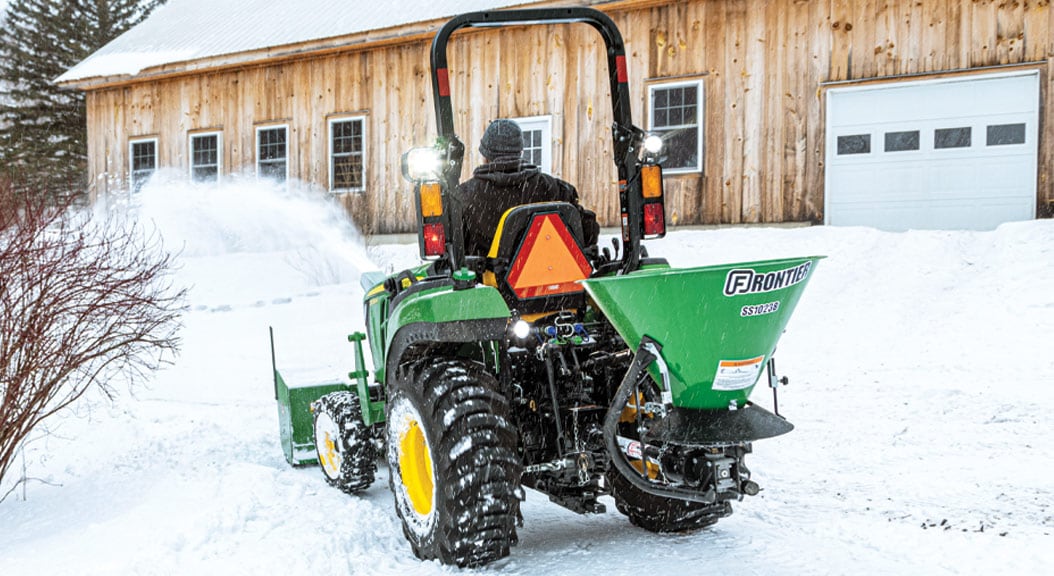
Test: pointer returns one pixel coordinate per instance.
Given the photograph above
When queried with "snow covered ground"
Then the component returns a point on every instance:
(922, 388)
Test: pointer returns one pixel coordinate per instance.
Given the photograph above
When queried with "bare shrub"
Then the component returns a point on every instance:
(85, 304)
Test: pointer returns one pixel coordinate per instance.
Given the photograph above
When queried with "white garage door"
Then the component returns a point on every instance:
(938, 154)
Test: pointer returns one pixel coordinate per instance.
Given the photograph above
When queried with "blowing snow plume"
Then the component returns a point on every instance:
(253, 238)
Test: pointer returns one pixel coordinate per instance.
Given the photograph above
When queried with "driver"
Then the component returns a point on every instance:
(505, 181)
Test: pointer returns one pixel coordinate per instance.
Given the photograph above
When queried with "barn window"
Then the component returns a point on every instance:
(205, 157)
(272, 153)
(142, 155)
(537, 141)
(347, 154)
(676, 115)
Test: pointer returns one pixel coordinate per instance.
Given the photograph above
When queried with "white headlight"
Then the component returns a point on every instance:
(422, 164)
(521, 329)
(653, 144)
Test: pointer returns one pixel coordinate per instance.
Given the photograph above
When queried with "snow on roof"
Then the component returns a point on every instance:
(184, 30)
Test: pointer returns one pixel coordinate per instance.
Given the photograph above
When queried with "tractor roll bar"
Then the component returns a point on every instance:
(623, 130)
(616, 52)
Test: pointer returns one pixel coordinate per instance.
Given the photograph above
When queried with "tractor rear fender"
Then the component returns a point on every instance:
(442, 317)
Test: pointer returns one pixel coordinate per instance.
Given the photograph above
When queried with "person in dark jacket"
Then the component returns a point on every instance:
(505, 181)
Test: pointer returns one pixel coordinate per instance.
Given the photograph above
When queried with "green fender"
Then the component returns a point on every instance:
(443, 314)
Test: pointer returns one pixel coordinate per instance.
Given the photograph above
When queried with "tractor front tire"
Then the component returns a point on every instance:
(454, 471)
(343, 442)
(660, 514)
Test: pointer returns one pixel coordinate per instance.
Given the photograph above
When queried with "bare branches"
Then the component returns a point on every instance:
(83, 305)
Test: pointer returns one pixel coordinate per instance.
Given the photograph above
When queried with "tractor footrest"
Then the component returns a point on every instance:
(692, 427)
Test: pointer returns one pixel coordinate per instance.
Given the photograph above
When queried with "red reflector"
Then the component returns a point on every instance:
(435, 239)
(443, 76)
(620, 69)
(654, 220)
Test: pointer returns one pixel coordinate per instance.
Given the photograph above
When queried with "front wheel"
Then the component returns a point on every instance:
(455, 474)
(343, 442)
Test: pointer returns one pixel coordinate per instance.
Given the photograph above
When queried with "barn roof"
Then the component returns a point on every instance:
(183, 31)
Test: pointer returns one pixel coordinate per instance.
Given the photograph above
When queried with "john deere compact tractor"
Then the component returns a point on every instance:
(549, 364)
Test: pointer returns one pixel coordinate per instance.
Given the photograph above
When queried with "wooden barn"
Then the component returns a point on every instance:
(890, 113)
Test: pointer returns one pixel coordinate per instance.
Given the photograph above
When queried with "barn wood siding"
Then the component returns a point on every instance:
(762, 63)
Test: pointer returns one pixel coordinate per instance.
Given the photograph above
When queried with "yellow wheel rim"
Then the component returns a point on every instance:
(327, 434)
(328, 456)
(415, 467)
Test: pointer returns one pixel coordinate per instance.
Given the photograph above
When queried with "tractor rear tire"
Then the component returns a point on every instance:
(659, 514)
(343, 442)
(454, 470)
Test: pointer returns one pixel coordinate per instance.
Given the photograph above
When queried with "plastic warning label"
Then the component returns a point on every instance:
(737, 374)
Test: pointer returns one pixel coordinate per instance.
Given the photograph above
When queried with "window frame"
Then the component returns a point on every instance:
(219, 154)
(331, 155)
(545, 124)
(700, 103)
(131, 161)
(256, 151)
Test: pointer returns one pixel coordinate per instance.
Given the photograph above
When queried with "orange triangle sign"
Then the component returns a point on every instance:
(549, 261)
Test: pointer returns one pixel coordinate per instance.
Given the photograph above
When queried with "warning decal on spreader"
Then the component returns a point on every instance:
(737, 374)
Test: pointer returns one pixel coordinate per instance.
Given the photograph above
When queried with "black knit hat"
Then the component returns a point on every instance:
(503, 139)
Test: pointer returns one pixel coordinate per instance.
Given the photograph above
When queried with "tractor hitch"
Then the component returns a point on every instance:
(687, 454)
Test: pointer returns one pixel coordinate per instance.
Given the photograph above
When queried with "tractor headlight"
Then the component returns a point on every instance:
(653, 144)
(422, 165)
(521, 329)
(652, 149)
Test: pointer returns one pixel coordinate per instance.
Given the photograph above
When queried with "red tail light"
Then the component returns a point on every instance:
(435, 239)
(654, 219)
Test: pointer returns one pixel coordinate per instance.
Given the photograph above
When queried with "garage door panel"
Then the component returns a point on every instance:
(909, 216)
(951, 178)
(964, 98)
(964, 215)
(942, 154)
(858, 184)
(1006, 172)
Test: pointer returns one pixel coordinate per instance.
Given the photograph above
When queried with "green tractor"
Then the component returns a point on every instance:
(549, 364)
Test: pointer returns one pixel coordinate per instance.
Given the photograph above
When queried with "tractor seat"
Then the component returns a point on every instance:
(537, 258)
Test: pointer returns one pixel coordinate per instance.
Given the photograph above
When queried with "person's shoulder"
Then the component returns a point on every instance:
(468, 185)
(565, 186)
(551, 179)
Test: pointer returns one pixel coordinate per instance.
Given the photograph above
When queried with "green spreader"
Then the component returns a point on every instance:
(717, 325)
